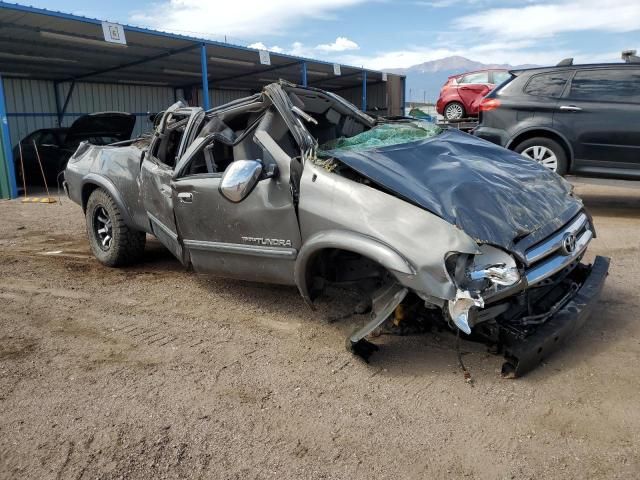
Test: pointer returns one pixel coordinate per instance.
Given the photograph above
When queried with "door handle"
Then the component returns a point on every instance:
(185, 197)
(570, 108)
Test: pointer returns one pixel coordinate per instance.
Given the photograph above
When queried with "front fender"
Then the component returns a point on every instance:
(349, 241)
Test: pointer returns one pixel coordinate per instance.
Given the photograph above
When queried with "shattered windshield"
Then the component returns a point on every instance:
(381, 136)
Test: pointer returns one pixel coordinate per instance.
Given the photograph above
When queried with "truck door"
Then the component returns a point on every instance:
(169, 142)
(256, 238)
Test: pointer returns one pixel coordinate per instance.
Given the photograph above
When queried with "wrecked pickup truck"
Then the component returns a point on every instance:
(296, 186)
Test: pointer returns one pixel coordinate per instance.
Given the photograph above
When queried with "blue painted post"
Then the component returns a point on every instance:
(6, 145)
(364, 91)
(304, 74)
(205, 77)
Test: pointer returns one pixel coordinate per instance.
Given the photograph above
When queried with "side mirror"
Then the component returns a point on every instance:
(239, 179)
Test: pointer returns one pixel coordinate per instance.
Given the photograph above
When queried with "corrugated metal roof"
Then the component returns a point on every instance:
(44, 44)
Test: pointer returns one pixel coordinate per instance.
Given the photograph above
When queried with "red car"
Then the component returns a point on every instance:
(461, 95)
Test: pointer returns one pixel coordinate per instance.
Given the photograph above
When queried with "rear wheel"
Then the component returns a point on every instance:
(112, 242)
(546, 152)
(454, 111)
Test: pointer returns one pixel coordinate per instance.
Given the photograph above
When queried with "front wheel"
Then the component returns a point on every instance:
(546, 152)
(112, 242)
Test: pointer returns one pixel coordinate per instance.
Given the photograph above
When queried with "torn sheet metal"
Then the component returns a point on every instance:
(494, 195)
(459, 309)
(384, 302)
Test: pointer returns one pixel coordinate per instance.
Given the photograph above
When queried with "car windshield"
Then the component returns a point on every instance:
(383, 135)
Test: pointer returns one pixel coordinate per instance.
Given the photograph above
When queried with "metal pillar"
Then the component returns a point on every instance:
(404, 95)
(304, 74)
(364, 91)
(57, 99)
(205, 77)
(134, 63)
(8, 186)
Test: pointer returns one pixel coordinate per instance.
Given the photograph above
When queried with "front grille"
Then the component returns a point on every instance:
(549, 257)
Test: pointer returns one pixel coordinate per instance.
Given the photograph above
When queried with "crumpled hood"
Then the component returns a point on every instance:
(494, 195)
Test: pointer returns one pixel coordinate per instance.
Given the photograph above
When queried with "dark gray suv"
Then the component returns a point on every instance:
(582, 119)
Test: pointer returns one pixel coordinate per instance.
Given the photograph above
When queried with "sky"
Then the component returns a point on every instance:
(381, 34)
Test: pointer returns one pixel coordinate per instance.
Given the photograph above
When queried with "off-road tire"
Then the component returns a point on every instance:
(126, 245)
(561, 156)
(454, 104)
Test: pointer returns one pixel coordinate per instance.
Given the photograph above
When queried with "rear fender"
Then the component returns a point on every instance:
(92, 181)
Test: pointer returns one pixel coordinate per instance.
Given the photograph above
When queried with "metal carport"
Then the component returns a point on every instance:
(56, 66)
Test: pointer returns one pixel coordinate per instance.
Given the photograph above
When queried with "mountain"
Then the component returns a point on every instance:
(425, 80)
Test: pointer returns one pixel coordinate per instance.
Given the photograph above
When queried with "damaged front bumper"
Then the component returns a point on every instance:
(524, 354)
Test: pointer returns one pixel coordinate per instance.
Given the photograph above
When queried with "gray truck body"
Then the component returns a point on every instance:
(450, 219)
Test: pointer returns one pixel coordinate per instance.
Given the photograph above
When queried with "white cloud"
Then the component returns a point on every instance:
(262, 46)
(437, 3)
(340, 45)
(258, 46)
(527, 34)
(493, 53)
(239, 18)
(397, 58)
(299, 49)
(547, 20)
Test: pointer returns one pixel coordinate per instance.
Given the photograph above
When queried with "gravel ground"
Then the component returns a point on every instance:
(154, 372)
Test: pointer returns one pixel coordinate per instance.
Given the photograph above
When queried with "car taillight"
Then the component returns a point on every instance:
(489, 104)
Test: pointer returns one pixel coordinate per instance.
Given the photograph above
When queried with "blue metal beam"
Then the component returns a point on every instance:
(205, 77)
(337, 77)
(6, 144)
(248, 74)
(350, 87)
(304, 74)
(168, 53)
(364, 91)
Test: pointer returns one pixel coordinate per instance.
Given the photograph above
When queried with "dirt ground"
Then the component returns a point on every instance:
(154, 372)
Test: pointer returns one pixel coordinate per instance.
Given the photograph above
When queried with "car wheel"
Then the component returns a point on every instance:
(112, 242)
(546, 152)
(454, 111)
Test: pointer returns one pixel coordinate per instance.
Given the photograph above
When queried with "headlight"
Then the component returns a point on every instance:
(493, 267)
(476, 277)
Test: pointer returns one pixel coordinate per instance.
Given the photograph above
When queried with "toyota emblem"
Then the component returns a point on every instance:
(568, 244)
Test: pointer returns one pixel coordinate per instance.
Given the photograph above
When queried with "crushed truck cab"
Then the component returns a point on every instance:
(296, 186)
